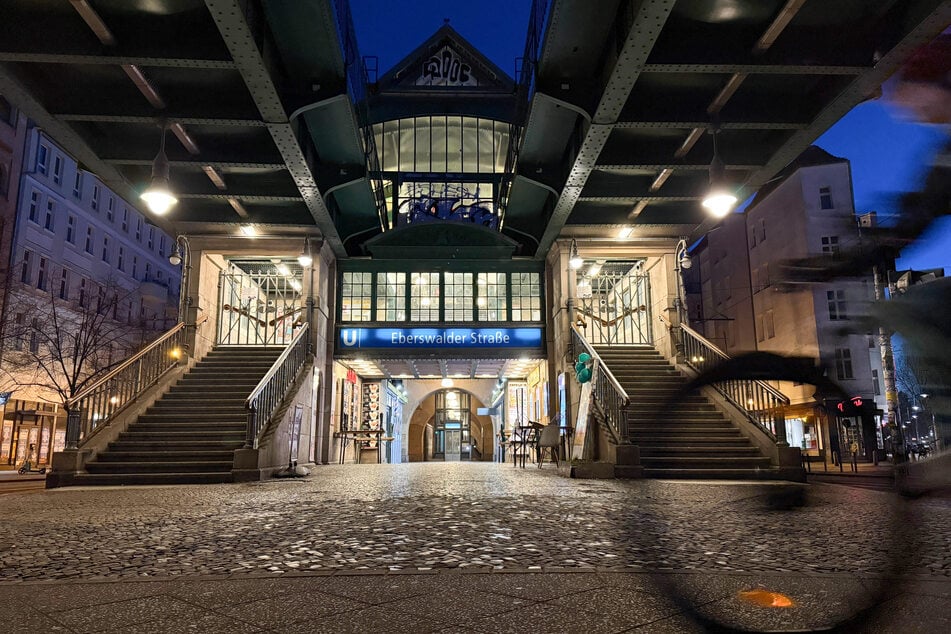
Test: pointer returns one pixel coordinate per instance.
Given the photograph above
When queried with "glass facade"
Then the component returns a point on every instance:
(440, 296)
(441, 168)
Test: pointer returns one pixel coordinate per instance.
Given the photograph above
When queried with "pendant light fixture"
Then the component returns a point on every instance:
(158, 195)
(719, 199)
(575, 261)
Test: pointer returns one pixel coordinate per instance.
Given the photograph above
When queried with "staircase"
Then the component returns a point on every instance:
(189, 435)
(688, 439)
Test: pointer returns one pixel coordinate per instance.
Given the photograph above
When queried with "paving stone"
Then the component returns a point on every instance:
(126, 613)
(280, 611)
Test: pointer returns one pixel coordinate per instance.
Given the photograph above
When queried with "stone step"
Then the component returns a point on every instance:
(223, 416)
(709, 473)
(120, 479)
(744, 462)
(178, 405)
(165, 455)
(197, 446)
(699, 451)
(686, 441)
(664, 436)
(196, 427)
(182, 436)
(199, 466)
(223, 393)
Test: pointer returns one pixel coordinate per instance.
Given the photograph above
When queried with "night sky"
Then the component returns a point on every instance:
(889, 155)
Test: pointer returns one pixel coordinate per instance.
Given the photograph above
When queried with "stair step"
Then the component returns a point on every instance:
(199, 466)
(119, 479)
(196, 446)
(200, 436)
(709, 474)
(730, 441)
(699, 452)
(165, 455)
(192, 417)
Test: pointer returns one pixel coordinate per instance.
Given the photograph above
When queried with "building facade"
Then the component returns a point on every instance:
(81, 260)
(734, 299)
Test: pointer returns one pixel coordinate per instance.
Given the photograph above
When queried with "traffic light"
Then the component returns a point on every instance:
(583, 368)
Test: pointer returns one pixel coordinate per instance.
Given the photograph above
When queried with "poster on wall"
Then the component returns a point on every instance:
(296, 418)
(6, 440)
(562, 401)
(515, 406)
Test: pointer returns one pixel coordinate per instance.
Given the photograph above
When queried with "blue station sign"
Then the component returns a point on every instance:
(412, 338)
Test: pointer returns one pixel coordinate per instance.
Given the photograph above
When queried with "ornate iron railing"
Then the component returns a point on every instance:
(606, 393)
(760, 402)
(96, 406)
(266, 397)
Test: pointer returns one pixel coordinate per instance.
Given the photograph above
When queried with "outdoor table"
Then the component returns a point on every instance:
(523, 436)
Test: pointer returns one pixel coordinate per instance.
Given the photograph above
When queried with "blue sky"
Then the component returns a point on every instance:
(888, 154)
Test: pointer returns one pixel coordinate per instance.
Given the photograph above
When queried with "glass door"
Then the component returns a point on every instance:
(453, 443)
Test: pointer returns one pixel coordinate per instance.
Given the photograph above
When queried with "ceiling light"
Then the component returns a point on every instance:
(625, 232)
(575, 261)
(158, 195)
(447, 382)
(248, 230)
(305, 259)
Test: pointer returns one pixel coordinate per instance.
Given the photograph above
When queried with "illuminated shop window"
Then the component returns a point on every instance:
(526, 297)
(491, 297)
(459, 300)
(424, 297)
(356, 295)
(391, 296)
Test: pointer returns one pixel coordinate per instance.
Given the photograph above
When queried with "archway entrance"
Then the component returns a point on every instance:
(452, 426)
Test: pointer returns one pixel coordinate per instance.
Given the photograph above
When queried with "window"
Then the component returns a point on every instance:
(161, 249)
(837, 308)
(71, 229)
(459, 300)
(825, 198)
(64, 284)
(82, 292)
(34, 335)
(830, 245)
(151, 238)
(843, 363)
(120, 262)
(105, 249)
(356, 296)
(871, 342)
(424, 297)
(42, 156)
(57, 170)
(50, 214)
(148, 271)
(138, 230)
(34, 207)
(727, 287)
(125, 219)
(111, 209)
(762, 230)
(25, 270)
(876, 386)
(18, 332)
(753, 238)
(78, 184)
(768, 323)
(491, 300)
(135, 266)
(760, 327)
(391, 296)
(41, 277)
(94, 203)
(89, 240)
(526, 297)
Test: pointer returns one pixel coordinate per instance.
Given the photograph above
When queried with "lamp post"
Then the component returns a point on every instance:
(181, 254)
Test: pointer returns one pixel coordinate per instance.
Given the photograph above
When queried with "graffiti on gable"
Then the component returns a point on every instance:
(453, 203)
(446, 68)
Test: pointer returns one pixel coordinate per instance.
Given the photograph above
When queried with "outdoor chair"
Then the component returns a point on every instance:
(549, 438)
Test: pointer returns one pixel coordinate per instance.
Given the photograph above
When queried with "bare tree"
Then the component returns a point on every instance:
(60, 339)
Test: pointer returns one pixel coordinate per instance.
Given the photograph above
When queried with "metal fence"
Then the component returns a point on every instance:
(761, 403)
(258, 309)
(606, 392)
(267, 396)
(94, 408)
(616, 308)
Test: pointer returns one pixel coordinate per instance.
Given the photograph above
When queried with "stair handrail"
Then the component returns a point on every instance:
(607, 392)
(267, 395)
(94, 407)
(760, 402)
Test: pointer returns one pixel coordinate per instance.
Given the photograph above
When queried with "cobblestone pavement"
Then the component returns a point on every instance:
(483, 516)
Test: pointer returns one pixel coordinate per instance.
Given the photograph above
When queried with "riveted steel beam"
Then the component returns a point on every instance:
(236, 33)
(730, 125)
(657, 167)
(755, 69)
(115, 60)
(648, 22)
(634, 199)
(200, 164)
(248, 198)
(119, 118)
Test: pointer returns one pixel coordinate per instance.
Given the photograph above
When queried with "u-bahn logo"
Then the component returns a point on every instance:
(349, 337)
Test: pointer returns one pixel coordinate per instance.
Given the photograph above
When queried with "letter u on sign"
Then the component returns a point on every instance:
(349, 337)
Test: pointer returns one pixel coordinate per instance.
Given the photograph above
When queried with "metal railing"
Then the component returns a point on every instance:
(266, 397)
(606, 392)
(95, 407)
(760, 402)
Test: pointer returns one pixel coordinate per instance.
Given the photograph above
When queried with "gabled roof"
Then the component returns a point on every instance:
(812, 156)
(446, 61)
